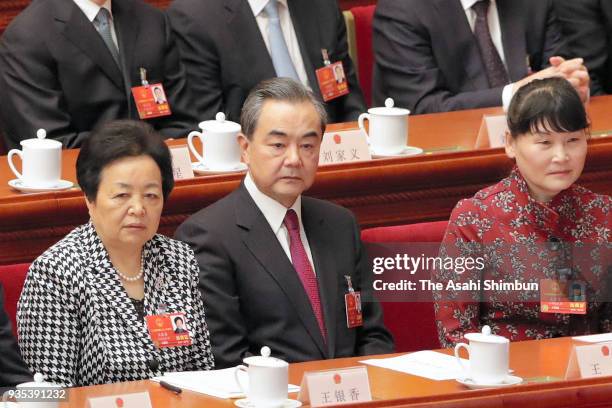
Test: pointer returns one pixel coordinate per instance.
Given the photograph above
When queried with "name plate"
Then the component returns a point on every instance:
(135, 400)
(593, 360)
(181, 163)
(335, 387)
(344, 147)
(492, 131)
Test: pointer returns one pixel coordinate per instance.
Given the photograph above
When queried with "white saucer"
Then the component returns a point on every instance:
(18, 184)
(509, 381)
(407, 152)
(200, 168)
(289, 403)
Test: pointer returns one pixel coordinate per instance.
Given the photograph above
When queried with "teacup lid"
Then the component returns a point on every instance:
(389, 109)
(39, 382)
(220, 125)
(40, 141)
(265, 360)
(486, 336)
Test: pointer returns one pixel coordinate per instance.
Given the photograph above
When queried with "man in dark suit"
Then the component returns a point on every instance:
(587, 32)
(226, 50)
(445, 55)
(68, 66)
(275, 266)
(13, 370)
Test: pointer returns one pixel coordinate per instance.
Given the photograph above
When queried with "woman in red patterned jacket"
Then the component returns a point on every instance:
(533, 227)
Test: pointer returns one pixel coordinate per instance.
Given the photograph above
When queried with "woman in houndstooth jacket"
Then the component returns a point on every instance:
(81, 316)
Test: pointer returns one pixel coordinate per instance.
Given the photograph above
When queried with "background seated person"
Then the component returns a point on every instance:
(587, 32)
(13, 370)
(229, 46)
(517, 220)
(68, 66)
(82, 311)
(446, 55)
(275, 265)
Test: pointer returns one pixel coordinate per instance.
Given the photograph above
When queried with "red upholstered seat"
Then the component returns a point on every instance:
(363, 38)
(422, 232)
(12, 278)
(412, 323)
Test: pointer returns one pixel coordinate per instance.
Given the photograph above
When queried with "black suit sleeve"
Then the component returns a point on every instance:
(182, 102)
(33, 97)
(373, 337)
(349, 107)
(587, 30)
(13, 370)
(201, 60)
(227, 327)
(406, 67)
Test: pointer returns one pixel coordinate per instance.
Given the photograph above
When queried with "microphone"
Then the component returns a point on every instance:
(554, 243)
(562, 258)
(154, 365)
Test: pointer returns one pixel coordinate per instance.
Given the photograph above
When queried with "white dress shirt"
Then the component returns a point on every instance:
(288, 32)
(274, 212)
(91, 10)
(495, 30)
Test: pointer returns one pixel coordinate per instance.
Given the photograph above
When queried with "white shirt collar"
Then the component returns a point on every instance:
(258, 5)
(91, 9)
(467, 4)
(273, 211)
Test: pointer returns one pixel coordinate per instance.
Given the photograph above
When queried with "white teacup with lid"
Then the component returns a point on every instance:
(388, 133)
(489, 356)
(220, 143)
(38, 394)
(41, 160)
(268, 379)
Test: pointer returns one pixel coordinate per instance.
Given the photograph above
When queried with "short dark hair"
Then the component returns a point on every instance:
(177, 318)
(278, 89)
(116, 140)
(546, 105)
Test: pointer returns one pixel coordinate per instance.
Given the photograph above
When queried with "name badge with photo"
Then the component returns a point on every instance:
(169, 330)
(151, 101)
(566, 297)
(354, 316)
(332, 81)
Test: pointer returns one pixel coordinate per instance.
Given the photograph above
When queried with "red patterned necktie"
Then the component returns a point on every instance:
(494, 66)
(302, 266)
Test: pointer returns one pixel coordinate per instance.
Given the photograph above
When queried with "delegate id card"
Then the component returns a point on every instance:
(168, 330)
(332, 81)
(566, 297)
(151, 101)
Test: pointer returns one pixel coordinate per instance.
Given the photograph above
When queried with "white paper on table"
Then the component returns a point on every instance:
(594, 338)
(428, 364)
(216, 383)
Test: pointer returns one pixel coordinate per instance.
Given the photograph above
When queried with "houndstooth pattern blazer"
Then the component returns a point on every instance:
(77, 325)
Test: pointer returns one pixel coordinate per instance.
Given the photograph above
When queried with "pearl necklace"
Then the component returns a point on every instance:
(136, 277)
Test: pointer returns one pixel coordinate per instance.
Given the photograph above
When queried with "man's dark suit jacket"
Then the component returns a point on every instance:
(56, 72)
(253, 296)
(587, 31)
(225, 55)
(428, 60)
(13, 370)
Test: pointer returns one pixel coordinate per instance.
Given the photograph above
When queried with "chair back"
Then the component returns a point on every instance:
(411, 323)
(363, 16)
(12, 278)
(349, 22)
